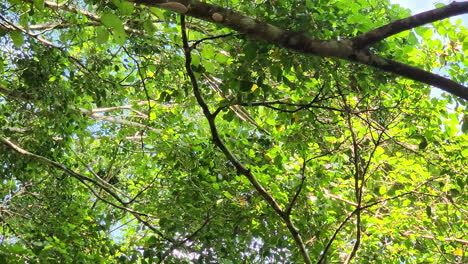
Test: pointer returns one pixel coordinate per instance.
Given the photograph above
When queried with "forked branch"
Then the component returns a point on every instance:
(383, 32)
(350, 50)
(241, 168)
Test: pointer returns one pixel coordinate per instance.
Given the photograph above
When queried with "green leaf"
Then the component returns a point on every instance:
(153, 116)
(464, 127)
(17, 37)
(125, 8)
(39, 4)
(423, 144)
(2, 65)
(424, 32)
(270, 121)
(412, 39)
(195, 59)
(209, 66)
(227, 195)
(382, 190)
(112, 21)
(119, 36)
(102, 35)
(464, 152)
(149, 26)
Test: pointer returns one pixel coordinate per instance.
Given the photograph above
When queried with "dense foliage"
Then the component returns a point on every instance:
(124, 142)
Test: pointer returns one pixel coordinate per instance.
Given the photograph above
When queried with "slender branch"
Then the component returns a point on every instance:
(448, 239)
(142, 79)
(187, 238)
(57, 165)
(84, 179)
(11, 26)
(336, 197)
(333, 237)
(270, 104)
(148, 185)
(194, 45)
(240, 112)
(383, 32)
(358, 173)
(241, 169)
(399, 195)
(299, 189)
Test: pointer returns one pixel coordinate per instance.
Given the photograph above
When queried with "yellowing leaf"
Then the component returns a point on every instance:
(458, 252)
(254, 87)
(152, 116)
(379, 151)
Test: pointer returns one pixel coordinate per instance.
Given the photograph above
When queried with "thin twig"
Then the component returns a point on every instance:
(194, 45)
(333, 237)
(84, 180)
(299, 189)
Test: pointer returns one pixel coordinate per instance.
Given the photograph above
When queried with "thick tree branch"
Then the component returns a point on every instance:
(414, 73)
(383, 32)
(343, 49)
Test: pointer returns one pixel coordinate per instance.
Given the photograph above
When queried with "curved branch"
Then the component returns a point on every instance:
(342, 49)
(299, 189)
(84, 179)
(413, 73)
(383, 32)
(241, 169)
(333, 237)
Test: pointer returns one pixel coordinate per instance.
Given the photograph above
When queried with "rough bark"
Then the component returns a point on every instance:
(350, 50)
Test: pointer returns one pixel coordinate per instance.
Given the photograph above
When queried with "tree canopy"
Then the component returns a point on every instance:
(282, 131)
